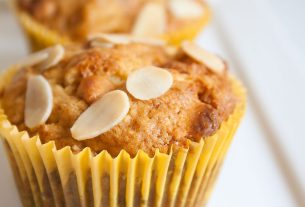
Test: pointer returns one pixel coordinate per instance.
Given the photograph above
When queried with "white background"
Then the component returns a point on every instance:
(264, 43)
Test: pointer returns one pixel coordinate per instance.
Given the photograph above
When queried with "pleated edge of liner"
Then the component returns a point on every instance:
(5, 124)
(30, 25)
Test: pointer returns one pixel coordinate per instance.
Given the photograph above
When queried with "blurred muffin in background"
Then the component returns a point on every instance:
(47, 22)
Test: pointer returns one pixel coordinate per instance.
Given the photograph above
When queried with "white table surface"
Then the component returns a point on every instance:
(263, 41)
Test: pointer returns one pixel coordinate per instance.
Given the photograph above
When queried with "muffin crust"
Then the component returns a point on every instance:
(194, 107)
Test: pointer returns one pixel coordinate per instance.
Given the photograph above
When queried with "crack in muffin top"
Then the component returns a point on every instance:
(194, 107)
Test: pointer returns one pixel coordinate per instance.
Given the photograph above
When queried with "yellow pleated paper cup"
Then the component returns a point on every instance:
(47, 176)
(40, 36)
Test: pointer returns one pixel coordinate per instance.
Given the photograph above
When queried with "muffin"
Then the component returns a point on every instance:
(47, 22)
(121, 123)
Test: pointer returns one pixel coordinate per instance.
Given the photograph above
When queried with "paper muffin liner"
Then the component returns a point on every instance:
(47, 176)
(39, 36)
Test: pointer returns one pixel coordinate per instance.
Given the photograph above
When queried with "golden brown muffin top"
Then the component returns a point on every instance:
(198, 101)
(78, 19)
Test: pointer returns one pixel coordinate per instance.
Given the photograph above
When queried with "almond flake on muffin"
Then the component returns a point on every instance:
(208, 59)
(101, 116)
(108, 40)
(45, 58)
(149, 82)
(39, 101)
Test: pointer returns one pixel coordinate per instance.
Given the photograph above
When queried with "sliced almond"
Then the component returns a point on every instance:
(55, 54)
(148, 40)
(101, 116)
(96, 43)
(107, 40)
(149, 82)
(44, 58)
(151, 20)
(186, 9)
(34, 59)
(208, 59)
(38, 101)
(110, 38)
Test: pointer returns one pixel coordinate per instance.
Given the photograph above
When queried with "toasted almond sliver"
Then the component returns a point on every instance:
(44, 58)
(34, 59)
(55, 54)
(101, 116)
(39, 101)
(96, 43)
(149, 82)
(148, 40)
(185, 9)
(208, 59)
(151, 20)
(107, 40)
(110, 38)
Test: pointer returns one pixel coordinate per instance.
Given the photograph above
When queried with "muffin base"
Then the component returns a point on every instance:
(39, 36)
(58, 177)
